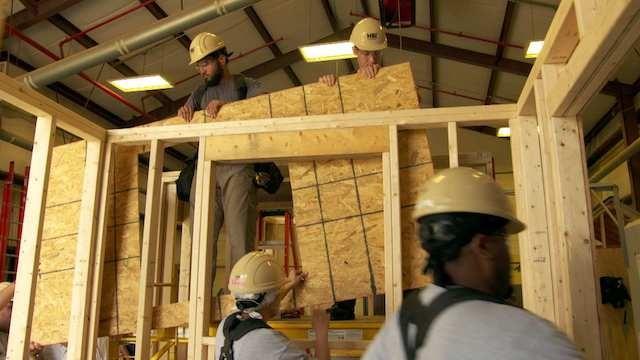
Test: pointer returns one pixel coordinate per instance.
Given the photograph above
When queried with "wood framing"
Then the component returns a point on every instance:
(586, 41)
(24, 293)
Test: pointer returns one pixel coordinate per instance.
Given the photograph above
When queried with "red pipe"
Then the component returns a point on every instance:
(4, 218)
(109, 20)
(44, 50)
(23, 201)
(453, 33)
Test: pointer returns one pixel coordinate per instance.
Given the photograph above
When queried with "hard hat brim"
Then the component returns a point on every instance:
(374, 47)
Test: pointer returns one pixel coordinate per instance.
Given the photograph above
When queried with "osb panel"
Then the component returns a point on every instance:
(288, 102)
(322, 99)
(346, 243)
(253, 108)
(414, 258)
(411, 180)
(338, 200)
(126, 167)
(58, 253)
(367, 166)
(119, 297)
(370, 190)
(61, 220)
(307, 207)
(313, 253)
(126, 242)
(126, 207)
(374, 229)
(65, 176)
(392, 88)
(334, 170)
(413, 148)
(51, 311)
(170, 315)
(301, 174)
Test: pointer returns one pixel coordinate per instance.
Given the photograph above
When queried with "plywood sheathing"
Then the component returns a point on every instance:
(59, 238)
(338, 204)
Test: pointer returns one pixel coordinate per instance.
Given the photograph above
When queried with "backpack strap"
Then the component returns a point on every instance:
(234, 329)
(241, 86)
(420, 317)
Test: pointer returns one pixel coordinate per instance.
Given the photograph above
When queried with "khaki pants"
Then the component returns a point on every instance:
(236, 209)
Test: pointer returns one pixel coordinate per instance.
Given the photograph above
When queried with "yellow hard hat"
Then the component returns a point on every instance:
(204, 44)
(465, 190)
(256, 272)
(368, 35)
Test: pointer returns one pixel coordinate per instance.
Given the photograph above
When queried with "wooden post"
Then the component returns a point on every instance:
(452, 134)
(98, 261)
(201, 256)
(148, 259)
(169, 294)
(569, 218)
(185, 259)
(392, 226)
(535, 257)
(85, 252)
(22, 314)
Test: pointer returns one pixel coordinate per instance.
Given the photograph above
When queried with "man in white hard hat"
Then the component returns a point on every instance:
(258, 285)
(236, 203)
(464, 219)
(368, 40)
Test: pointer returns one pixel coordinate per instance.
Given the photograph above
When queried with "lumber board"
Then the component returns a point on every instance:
(289, 145)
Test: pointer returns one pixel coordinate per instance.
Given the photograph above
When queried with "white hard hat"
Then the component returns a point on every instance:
(368, 35)
(256, 272)
(204, 44)
(464, 189)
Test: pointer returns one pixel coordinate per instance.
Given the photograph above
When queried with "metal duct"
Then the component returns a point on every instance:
(109, 51)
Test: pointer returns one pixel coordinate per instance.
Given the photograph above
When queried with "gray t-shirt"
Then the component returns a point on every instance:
(226, 91)
(477, 330)
(263, 344)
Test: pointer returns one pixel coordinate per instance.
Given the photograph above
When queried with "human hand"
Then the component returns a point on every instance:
(186, 113)
(329, 80)
(369, 71)
(214, 107)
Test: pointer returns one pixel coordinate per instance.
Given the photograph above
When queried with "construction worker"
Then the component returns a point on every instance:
(368, 40)
(258, 285)
(464, 219)
(236, 200)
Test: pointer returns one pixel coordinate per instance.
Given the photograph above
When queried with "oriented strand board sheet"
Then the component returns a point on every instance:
(59, 239)
(338, 204)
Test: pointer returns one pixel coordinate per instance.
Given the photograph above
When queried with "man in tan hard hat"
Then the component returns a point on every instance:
(258, 285)
(236, 200)
(368, 40)
(464, 219)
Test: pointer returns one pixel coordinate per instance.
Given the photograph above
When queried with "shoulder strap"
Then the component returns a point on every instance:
(234, 329)
(197, 96)
(241, 86)
(413, 313)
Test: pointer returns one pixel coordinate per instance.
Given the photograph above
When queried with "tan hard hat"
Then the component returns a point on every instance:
(256, 272)
(464, 189)
(368, 35)
(204, 44)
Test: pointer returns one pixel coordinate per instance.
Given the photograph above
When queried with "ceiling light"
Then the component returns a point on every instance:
(141, 83)
(328, 51)
(504, 132)
(533, 49)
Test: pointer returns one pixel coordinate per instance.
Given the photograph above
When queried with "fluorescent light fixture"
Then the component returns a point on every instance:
(533, 49)
(328, 51)
(504, 132)
(141, 83)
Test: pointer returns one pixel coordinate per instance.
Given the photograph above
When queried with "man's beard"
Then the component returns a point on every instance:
(214, 80)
